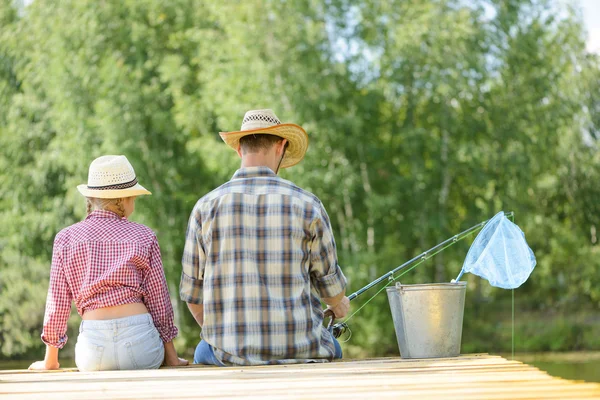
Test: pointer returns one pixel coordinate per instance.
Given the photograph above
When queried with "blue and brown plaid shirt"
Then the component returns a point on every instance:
(259, 255)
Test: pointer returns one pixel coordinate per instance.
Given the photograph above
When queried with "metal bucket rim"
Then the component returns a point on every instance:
(428, 286)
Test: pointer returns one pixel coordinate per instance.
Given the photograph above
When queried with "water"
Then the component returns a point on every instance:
(586, 371)
(575, 366)
(579, 366)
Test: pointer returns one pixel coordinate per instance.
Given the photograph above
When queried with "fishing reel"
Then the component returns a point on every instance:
(338, 329)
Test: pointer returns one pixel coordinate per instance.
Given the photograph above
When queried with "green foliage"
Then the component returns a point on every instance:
(424, 116)
(534, 332)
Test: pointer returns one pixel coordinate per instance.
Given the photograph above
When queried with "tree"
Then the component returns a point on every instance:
(424, 117)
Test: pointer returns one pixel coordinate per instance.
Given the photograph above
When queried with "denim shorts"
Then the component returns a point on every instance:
(119, 344)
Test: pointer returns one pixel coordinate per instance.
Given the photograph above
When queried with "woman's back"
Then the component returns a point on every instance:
(105, 259)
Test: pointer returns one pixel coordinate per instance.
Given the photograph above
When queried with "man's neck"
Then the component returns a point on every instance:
(258, 160)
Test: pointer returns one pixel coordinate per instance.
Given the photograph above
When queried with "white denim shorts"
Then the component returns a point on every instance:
(119, 344)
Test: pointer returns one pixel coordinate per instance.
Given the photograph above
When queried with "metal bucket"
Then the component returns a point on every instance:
(428, 318)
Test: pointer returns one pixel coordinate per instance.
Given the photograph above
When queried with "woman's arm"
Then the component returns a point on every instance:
(158, 302)
(58, 309)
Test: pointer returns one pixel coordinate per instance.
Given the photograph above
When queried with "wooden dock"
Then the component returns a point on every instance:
(464, 377)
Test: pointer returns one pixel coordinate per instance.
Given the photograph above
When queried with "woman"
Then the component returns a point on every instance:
(112, 269)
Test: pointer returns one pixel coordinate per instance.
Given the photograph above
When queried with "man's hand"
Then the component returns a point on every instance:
(341, 309)
(43, 366)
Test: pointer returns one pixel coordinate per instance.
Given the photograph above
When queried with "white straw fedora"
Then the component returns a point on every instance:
(265, 121)
(111, 177)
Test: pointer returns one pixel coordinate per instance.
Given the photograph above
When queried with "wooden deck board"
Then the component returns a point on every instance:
(464, 377)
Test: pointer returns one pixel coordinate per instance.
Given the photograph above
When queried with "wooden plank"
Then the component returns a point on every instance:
(465, 377)
(333, 367)
(199, 390)
(247, 372)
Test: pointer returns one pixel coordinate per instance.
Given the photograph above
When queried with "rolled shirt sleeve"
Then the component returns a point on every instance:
(157, 298)
(58, 302)
(193, 262)
(327, 276)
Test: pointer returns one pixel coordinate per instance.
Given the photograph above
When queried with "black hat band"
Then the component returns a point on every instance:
(126, 185)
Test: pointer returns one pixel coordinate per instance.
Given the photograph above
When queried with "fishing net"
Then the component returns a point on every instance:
(500, 254)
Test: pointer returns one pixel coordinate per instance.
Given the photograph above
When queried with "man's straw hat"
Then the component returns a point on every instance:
(111, 177)
(265, 121)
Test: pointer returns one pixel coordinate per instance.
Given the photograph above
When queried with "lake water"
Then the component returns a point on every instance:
(587, 371)
(584, 367)
(574, 365)
(581, 370)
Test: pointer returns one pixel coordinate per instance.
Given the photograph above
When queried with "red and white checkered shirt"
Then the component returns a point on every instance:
(106, 261)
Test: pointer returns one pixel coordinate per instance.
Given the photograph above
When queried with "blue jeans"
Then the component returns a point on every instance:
(205, 354)
(338, 350)
(118, 344)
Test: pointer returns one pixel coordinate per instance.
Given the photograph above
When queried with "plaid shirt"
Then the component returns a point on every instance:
(105, 261)
(259, 254)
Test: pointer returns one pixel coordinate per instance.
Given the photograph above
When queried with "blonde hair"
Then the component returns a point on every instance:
(114, 205)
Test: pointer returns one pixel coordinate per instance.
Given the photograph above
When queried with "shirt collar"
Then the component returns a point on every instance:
(103, 214)
(254, 172)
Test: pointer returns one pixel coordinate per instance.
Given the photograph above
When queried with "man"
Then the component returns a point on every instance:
(260, 256)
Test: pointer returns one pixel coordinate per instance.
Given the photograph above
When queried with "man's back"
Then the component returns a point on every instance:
(259, 255)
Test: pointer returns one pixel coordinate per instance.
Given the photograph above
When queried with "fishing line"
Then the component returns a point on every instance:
(512, 334)
(512, 331)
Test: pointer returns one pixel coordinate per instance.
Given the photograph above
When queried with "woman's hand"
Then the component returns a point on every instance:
(175, 362)
(50, 361)
(44, 366)
(171, 359)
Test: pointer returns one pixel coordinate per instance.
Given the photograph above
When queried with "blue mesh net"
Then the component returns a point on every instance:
(500, 254)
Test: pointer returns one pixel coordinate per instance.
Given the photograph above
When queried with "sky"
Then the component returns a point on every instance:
(591, 16)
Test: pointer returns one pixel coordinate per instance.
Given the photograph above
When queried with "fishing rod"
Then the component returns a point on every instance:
(339, 328)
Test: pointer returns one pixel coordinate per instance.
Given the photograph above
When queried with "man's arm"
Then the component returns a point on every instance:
(197, 311)
(192, 276)
(335, 300)
(326, 275)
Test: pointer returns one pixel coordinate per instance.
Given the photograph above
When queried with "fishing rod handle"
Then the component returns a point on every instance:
(329, 314)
